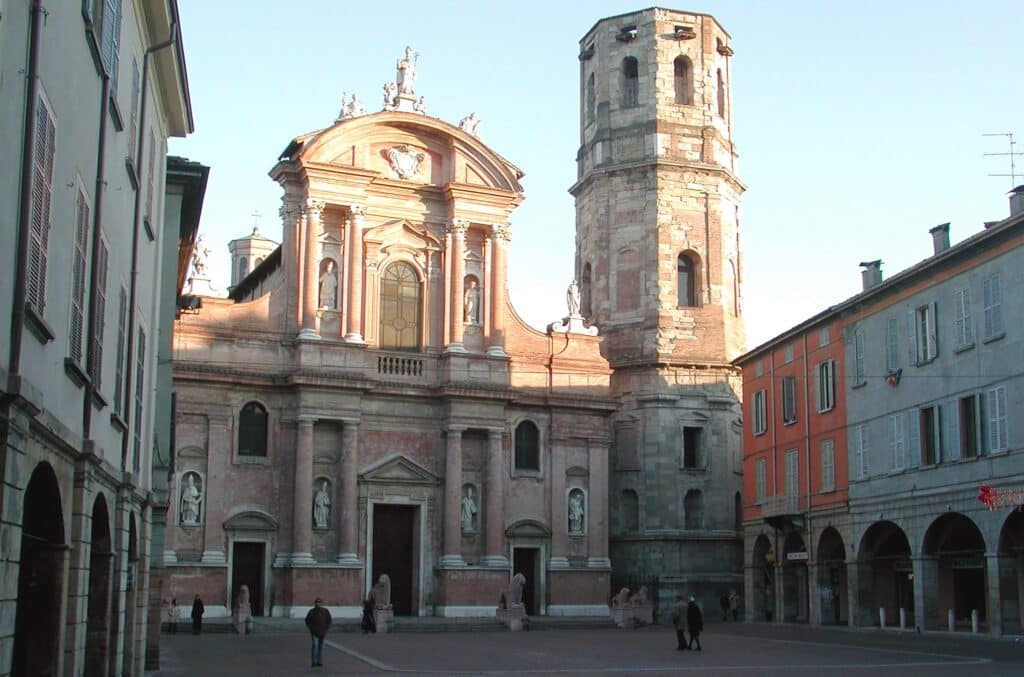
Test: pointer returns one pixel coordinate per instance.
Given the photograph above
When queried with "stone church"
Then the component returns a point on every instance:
(368, 401)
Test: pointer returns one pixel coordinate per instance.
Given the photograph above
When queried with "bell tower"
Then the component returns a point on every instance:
(658, 259)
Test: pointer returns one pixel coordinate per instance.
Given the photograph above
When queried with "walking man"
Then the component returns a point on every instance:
(734, 604)
(318, 620)
(695, 622)
(197, 615)
(679, 621)
(723, 603)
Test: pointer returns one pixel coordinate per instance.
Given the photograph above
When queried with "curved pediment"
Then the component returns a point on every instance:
(250, 519)
(407, 147)
(397, 469)
(528, 528)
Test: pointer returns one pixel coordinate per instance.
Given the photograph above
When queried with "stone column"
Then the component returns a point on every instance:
(302, 551)
(291, 265)
(354, 245)
(993, 602)
(559, 514)
(780, 588)
(926, 587)
(349, 546)
(214, 508)
(310, 287)
(453, 499)
(487, 291)
(496, 291)
(852, 592)
(495, 507)
(597, 507)
(813, 591)
(458, 271)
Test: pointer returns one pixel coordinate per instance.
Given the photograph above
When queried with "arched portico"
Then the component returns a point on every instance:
(1011, 572)
(795, 602)
(885, 575)
(955, 547)
(831, 577)
(101, 562)
(131, 595)
(763, 569)
(37, 625)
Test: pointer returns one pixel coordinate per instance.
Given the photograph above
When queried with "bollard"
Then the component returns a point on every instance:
(881, 616)
(950, 621)
(974, 621)
(903, 618)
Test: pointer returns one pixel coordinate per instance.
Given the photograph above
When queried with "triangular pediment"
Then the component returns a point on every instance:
(397, 469)
(402, 234)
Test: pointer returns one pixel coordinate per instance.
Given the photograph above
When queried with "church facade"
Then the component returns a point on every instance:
(368, 402)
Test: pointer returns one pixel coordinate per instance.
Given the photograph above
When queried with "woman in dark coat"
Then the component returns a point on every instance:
(197, 615)
(695, 622)
(369, 624)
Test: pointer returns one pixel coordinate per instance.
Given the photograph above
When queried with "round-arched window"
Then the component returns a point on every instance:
(400, 308)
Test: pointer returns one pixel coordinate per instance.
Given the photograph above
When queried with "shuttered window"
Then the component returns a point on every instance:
(76, 331)
(897, 450)
(134, 112)
(828, 465)
(140, 382)
(993, 298)
(963, 324)
(96, 361)
(150, 171)
(42, 192)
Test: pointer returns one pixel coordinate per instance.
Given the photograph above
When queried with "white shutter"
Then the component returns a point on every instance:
(933, 331)
(42, 190)
(914, 436)
(968, 321)
(96, 373)
(75, 333)
(912, 337)
(951, 418)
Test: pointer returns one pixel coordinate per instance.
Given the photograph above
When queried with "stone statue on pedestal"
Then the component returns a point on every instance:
(382, 592)
(322, 507)
(406, 76)
(575, 511)
(191, 500)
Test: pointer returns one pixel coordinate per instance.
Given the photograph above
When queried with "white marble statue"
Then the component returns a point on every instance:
(191, 501)
(420, 106)
(469, 123)
(515, 591)
(355, 108)
(344, 107)
(469, 511)
(471, 304)
(572, 299)
(575, 511)
(200, 254)
(382, 592)
(406, 76)
(390, 91)
(329, 287)
(322, 507)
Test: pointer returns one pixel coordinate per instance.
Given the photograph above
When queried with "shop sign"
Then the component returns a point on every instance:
(796, 556)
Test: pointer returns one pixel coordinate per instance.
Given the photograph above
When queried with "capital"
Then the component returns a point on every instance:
(458, 227)
(314, 208)
(501, 231)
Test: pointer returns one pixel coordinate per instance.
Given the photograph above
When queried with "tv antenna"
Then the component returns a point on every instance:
(1012, 154)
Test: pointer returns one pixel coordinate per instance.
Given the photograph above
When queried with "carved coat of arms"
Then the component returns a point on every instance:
(405, 160)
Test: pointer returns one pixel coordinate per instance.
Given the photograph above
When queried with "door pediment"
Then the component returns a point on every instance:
(528, 528)
(397, 469)
(250, 519)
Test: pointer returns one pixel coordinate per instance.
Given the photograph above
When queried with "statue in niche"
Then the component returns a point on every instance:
(382, 592)
(469, 123)
(471, 303)
(572, 299)
(322, 507)
(576, 512)
(406, 67)
(329, 287)
(191, 500)
(469, 510)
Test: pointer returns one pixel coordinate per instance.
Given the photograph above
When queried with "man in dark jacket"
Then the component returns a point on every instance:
(318, 620)
(695, 622)
(679, 622)
(197, 615)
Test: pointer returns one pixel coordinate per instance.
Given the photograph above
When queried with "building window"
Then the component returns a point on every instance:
(823, 337)
(150, 177)
(122, 328)
(133, 113)
(683, 81)
(892, 344)
(243, 268)
(693, 507)
(630, 82)
(527, 446)
(925, 338)
(787, 353)
(993, 299)
(828, 465)
(686, 281)
(105, 17)
(721, 94)
(591, 99)
(758, 413)
(788, 399)
(691, 448)
(860, 451)
(971, 432)
(931, 435)
(42, 192)
(995, 407)
(859, 377)
(140, 382)
(400, 308)
(792, 473)
(897, 450)
(826, 385)
(760, 469)
(252, 430)
(77, 328)
(963, 326)
(96, 356)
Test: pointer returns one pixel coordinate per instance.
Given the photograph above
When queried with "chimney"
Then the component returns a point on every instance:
(1017, 200)
(940, 237)
(872, 273)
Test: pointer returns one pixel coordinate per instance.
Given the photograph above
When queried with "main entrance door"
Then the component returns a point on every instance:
(247, 569)
(394, 550)
(524, 561)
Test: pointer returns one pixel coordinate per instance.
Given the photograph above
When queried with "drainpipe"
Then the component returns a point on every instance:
(136, 224)
(97, 222)
(25, 198)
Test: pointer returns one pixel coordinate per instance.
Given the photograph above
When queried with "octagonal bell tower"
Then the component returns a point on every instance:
(658, 259)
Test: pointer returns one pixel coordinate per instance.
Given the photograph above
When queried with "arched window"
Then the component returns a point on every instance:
(400, 308)
(585, 304)
(243, 267)
(721, 94)
(630, 82)
(527, 446)
(683, 81)
(252, 430)
(686, 281)
(630, 511)
(591, 99)
(693, 505)
(259, 260)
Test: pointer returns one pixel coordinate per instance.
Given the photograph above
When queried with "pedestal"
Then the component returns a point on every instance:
(622, 616)
(385, 619)
(242, 620)
(512, 618)
(643, 614)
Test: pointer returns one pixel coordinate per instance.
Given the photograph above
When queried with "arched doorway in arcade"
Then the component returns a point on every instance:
(1011, 572)
(131, 612)
(101, 561)
(955, 550)
(831, 566)
(763, 575)
(885, 578)
(795, 607)
(37, 620)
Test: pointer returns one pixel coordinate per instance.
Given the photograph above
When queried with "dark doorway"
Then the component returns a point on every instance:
(524, 561)
(394, 550)
(40, 576)
(247, 569)
(969, 592)
(101, 563)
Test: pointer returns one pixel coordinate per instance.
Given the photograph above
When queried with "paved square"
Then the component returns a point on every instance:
(741, 649)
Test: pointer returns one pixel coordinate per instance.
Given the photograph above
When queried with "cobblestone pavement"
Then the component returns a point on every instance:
(729, 649)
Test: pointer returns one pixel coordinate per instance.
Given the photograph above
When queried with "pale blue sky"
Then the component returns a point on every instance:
(859, 125)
